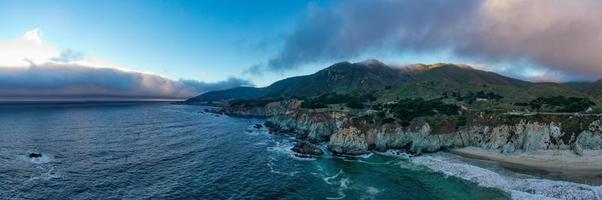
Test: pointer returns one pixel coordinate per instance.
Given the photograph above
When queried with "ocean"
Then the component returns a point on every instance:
(166, 151)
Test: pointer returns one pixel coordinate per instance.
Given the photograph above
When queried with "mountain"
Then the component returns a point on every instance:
(344, 77)
(577, 85)
(434, 80)
(388, 83)
(594, 89)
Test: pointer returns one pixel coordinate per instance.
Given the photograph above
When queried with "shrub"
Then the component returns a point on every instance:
(388, 120)
(562, 104)
(351, 101)
(355, 103)
(312, 104)
(408, 109)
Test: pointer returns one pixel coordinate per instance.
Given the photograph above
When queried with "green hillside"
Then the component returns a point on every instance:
(458, 84)
(344, 77)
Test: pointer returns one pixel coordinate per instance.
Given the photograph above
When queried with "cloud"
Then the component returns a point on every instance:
(22, 51)
(559, 35)
(65, 80)
(221, 85)
(31, 68)
(69, 55)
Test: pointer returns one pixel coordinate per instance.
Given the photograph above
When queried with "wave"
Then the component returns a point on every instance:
(328, 178)
(284, 147)
(49, 173)
(373, 190)
(274, 171)
(519, 188)
(338, 179)
(396, 153)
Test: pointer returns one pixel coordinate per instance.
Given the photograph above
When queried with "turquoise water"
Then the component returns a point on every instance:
(162, 151)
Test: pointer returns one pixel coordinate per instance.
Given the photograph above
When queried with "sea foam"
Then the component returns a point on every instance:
(519, 188)
(339, 179)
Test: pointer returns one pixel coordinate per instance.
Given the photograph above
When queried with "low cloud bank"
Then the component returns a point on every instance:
(32, 69)
(73, 80)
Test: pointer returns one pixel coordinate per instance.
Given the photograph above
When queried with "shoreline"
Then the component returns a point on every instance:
(555, 164)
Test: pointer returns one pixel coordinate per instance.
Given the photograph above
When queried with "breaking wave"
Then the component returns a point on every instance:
(519, 188)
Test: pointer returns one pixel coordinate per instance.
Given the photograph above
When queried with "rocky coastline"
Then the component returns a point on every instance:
(350, 134)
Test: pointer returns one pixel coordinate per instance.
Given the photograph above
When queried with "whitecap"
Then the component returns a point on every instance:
(365, 162)
(51, 173)
(260, 143)
(519, 188)
(328, 178)
(365, 156)
(339, 179)
(286, 147)
(251, 132)
(302, 158)
(343, 185)
(396, 153)
(282, 147)
(345, 157)
(341, 196)
(274, 171)
(372, 190)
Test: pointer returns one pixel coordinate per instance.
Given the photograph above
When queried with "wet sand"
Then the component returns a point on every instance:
(559, 165)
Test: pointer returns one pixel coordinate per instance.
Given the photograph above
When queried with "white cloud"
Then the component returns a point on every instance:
(32, 68)
(26, 49)
(34, 35)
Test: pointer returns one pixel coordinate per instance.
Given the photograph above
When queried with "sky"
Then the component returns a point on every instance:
(178, 49)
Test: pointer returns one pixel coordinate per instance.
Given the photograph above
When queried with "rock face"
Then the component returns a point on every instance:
(269, 109)
(348, 140)
(349, 134)
(312, 126)
(306, 149)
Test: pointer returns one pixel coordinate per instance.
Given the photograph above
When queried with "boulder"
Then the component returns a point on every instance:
(35, 155)
(305, 148)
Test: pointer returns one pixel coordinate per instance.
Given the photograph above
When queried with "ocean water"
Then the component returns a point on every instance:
(164, 151)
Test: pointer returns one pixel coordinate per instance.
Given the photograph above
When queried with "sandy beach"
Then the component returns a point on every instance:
(564, 165)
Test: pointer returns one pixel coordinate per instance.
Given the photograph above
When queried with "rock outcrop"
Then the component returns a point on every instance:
(348, 135)
(35, 155)
(274, 108)
(306, 149)
(314, 126)
(345, 133)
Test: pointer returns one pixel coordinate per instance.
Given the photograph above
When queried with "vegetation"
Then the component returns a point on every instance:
(462, 120)
(561, 104)
(470, 97)
(356, 86)
(408, 109)
(253, 103)
(351, 101)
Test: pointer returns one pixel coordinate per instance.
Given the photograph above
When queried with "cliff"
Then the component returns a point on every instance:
(347, 133)
(265, 109)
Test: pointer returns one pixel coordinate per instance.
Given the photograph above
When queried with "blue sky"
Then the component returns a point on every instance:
(177, 49)
(203, 40)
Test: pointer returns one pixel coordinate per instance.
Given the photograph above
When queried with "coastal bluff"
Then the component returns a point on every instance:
(353, 134)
